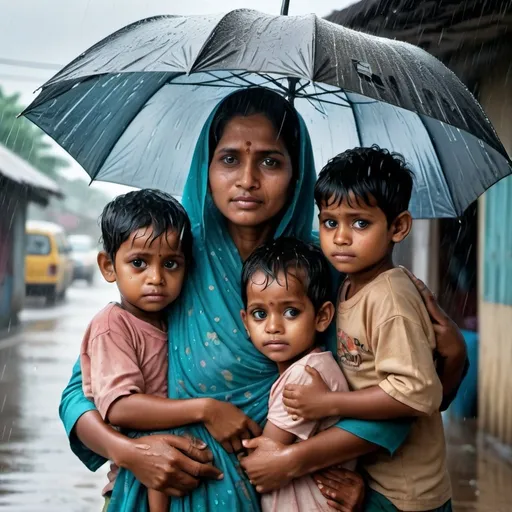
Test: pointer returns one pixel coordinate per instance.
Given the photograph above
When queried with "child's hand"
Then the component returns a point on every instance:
(309, 402)
(229, 425)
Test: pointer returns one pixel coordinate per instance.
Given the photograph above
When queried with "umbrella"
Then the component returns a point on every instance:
(130, 109)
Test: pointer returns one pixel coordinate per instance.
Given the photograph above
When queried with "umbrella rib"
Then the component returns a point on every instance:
(205, 43)
(107, 153)
(434, 147)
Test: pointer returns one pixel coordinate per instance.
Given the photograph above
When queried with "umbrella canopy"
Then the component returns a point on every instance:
(130, 109)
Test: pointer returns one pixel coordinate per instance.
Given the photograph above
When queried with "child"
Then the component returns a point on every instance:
(385, 336)
(147, 246)
(286, 295)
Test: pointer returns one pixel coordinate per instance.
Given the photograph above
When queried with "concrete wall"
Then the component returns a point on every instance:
(495, 311)
(12, 252)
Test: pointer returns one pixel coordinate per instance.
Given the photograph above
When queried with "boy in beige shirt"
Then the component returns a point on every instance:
(385, 337)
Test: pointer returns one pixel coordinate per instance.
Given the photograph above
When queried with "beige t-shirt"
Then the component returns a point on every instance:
(386, 339)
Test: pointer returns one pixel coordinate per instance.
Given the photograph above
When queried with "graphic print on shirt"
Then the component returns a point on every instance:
(349, 349)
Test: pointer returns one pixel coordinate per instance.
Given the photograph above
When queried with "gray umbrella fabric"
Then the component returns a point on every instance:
(130, 109)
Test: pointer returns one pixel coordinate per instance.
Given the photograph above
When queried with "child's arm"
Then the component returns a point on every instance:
(317, 401)
(278, 434)
(409, 383)
(118, 389)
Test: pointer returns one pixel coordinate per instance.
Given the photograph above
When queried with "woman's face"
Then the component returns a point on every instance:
(251, 172)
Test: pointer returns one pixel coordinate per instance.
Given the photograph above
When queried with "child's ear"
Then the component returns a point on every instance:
(401, 227)
(324, 316)
(243, 315)
(106, 267)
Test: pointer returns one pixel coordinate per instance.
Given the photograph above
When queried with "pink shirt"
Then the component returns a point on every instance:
(121, 355)
(302, 495)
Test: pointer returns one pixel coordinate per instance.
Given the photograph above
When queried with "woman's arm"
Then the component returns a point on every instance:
(169, 463)
(73, 406)
(273, 465)
(453, 363)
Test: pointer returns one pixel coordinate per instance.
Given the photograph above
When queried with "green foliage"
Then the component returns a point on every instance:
(25, 139)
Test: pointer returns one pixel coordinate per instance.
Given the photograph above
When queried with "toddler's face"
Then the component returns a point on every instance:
(149, 272)
(281, 319)
(356, 236)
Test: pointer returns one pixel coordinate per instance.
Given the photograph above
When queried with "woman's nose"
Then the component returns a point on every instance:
(248, 177)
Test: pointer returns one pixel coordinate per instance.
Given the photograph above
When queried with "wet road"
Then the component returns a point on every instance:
(38, 472)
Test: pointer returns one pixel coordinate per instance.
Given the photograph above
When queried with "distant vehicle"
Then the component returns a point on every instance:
(84, 254)
(48, 265)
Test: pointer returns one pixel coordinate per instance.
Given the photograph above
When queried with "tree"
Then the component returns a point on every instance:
(25, 139)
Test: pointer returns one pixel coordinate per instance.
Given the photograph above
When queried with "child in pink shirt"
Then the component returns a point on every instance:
(147, 244)
(286, 294)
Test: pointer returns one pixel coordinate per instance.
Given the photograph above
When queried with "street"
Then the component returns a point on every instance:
(38, 472)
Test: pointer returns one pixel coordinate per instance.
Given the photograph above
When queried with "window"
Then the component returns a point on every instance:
(38, 245)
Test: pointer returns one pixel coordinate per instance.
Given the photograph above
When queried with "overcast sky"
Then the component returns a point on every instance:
(56, 31)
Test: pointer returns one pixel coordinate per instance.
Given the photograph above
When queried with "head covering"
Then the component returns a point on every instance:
(209, 352)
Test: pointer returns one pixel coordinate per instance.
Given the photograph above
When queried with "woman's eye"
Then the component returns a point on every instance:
(137, 263)
(361, 224)
(259, 314)
(229, 160)
(270, 162)
(330, 224)
(291, 313)
(171, 265)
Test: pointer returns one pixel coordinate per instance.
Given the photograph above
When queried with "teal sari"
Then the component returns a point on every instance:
(209, 353)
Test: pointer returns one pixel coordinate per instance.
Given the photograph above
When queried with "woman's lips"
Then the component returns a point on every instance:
(247, 202)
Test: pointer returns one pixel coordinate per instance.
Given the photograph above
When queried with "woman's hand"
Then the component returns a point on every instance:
(450, 344)
(170, 464)
(267, 467)
(229, 425)
(310, 401)
(343, 489)
(449, 339)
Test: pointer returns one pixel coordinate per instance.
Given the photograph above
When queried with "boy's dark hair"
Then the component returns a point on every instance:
(287, 254)
(367, 173)
(140, 209)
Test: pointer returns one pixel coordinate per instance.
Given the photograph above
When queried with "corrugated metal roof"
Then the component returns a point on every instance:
(20, 171)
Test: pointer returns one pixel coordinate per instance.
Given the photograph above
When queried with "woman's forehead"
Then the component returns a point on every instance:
(254, 131)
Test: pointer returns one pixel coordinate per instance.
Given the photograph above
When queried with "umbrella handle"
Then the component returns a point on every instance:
(284, 7)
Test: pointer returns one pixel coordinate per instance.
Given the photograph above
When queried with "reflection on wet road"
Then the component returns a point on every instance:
(38, 472)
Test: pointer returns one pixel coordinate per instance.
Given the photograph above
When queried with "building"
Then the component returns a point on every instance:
(20, 184)
(473, 39)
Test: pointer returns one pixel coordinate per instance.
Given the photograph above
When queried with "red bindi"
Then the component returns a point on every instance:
(248, 144)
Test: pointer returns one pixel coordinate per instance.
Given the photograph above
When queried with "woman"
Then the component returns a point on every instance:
(251, 178)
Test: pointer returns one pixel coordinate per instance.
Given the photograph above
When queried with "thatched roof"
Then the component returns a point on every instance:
(468, 35)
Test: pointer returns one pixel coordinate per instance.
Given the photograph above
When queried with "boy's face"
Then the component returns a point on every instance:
(356, 237)
(281, 319)
(149, 273)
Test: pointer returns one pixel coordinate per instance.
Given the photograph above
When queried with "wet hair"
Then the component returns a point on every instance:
(141, 209)
(284, 255)
(371, 174)
(258, 100)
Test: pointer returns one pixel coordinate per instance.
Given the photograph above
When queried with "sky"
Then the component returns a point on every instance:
(56, 31)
